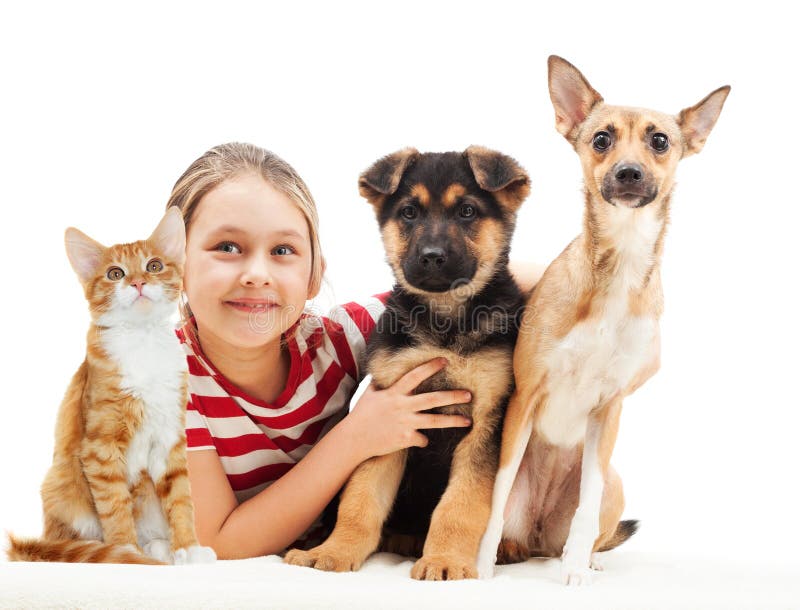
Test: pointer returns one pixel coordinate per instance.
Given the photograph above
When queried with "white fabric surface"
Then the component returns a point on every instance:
(633, 580)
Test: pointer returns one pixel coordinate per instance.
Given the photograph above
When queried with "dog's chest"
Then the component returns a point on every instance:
(595, 361)
(152, 369)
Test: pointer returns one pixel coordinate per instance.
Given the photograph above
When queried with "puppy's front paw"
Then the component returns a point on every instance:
(444, 567)
(330, 559)
(194, 554)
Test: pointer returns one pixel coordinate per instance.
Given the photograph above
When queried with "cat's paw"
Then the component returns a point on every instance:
(194, 554)
(158, 549)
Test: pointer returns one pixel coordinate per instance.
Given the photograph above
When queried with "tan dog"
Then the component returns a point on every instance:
(590, 335)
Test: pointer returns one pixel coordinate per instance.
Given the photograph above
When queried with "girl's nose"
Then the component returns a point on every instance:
(256, 272)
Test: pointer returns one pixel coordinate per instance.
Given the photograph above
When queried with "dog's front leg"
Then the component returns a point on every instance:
(601, 434)
(460, 518)
(365, 503)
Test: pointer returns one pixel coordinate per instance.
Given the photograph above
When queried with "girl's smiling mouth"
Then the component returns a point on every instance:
(251, 305)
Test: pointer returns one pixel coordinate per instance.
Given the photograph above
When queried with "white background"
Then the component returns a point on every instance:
(103, 107)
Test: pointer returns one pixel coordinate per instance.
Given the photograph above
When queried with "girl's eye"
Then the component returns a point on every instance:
(283, 250)
(659, 142)
(467, 211)
(409, 212)
(115, 274)
(601, 141)
(155, 265)
(229, 247)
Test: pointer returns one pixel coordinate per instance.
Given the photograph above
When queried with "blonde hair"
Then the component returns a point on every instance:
(233, 159)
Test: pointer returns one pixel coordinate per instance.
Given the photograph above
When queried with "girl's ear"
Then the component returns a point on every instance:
(315, 286)
(170, 236)
(85, 254)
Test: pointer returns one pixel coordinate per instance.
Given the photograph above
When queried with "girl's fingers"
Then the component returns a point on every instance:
(431, 400)
(408, 382)
(419, 440)
(428, 421)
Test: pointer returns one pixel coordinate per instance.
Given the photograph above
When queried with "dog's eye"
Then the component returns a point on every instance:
(601, 141)
(659, 142)
(409, 212)
(466, 211)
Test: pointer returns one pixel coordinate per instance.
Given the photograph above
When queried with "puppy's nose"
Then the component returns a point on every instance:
(629, 174)
(432, 258)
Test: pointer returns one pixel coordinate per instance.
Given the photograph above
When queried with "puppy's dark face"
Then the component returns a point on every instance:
(442, 228)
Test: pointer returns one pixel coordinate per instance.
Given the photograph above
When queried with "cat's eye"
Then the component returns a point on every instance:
(155, 265)
(115, 274)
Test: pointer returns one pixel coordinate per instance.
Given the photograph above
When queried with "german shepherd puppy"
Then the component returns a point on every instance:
(591, 333)
(446, 221)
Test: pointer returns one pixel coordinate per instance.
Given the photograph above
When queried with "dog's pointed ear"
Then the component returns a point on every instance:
(383, 177)
(696, 122)
(572, 96)
(499, 174)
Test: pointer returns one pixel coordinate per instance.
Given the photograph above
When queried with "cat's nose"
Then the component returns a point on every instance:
(138, 286)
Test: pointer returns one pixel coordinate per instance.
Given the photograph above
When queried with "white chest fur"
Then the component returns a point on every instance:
(596, 360)
(152, 368)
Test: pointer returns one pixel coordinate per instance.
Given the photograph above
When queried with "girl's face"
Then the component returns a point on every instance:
(248, 263)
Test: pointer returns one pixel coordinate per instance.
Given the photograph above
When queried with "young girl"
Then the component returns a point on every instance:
(268, 444)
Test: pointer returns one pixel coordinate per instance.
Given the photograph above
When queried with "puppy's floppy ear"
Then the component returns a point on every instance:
(383, 177)
(572, 96)
(696, 122)
(499, 174)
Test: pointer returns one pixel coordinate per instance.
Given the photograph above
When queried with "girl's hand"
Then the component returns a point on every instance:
(384, 421)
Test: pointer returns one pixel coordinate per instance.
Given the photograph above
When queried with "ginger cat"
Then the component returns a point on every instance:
(119, 463)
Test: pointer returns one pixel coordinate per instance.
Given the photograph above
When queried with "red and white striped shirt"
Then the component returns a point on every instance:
(258, 442)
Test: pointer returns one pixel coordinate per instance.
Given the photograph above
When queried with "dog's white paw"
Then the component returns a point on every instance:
(158, 549)
(576, 577)
(575, 570)
(485, 567)
(194, 554)
(595, 563)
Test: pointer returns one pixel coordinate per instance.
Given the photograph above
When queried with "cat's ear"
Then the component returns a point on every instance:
(170, 236)
(84, 253)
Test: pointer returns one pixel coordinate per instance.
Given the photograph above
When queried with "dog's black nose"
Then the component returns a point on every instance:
(629, 174)
(432, 258)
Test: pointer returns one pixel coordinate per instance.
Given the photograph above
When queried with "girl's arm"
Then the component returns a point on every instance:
(383, 421)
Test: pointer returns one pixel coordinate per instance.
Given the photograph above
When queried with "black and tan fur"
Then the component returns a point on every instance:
(446, 221)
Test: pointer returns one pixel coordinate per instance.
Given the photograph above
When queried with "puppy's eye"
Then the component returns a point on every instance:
(115, 274)
(467, 211)
(659, 142)
(601, 141)
(155, 265)
(409, 212)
